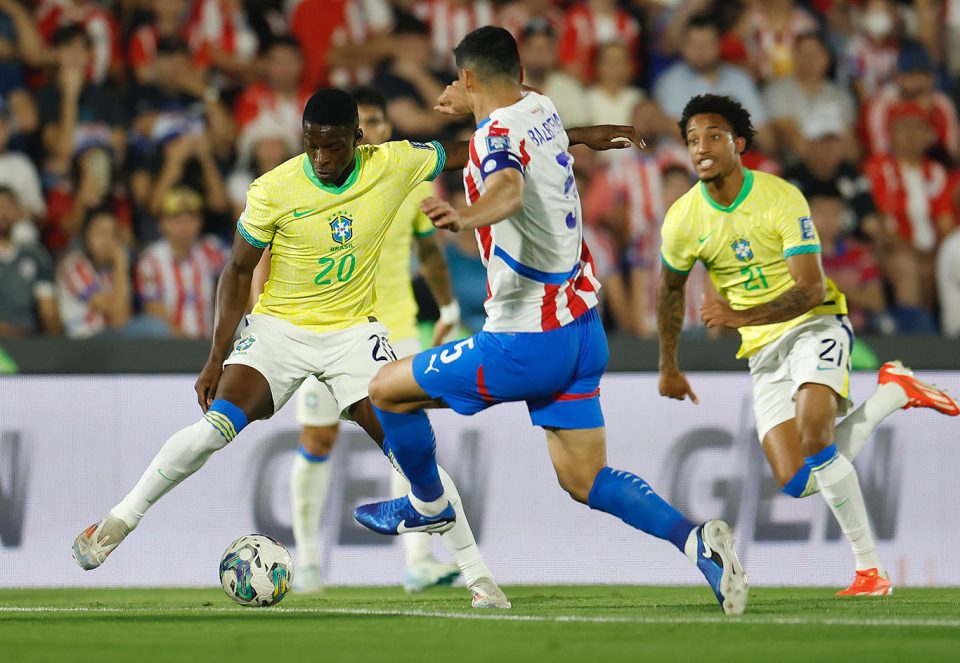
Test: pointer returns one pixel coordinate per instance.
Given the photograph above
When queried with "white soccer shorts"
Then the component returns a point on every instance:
(316, 405)
(816, 351)
(343, 361)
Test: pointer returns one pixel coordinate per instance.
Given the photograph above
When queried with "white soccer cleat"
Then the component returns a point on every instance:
(429, 573)
(308, 580)
(711, 548)
(94, 544)
(487, 595)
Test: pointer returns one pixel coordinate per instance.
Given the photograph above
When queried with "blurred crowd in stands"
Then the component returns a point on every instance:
(131, 129)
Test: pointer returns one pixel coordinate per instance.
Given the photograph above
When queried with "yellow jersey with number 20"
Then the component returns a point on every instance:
(745, 248)
(325, 241)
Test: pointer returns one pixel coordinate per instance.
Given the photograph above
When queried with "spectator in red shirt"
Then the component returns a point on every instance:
(870, 59)
(177, 274)
(168, 21)
(847, 262)
(94, 280)
(589, 24)
(772, 30)
(279, 97)
(100, 26)
(914, 191)
(450, 21)
(914, 82)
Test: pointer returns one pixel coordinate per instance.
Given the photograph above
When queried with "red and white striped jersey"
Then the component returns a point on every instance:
(77, 281)
(450, 21)
(872, 64)
(540, 274)
(942, 117)
(99, 24)
(186, 287)
(362, 20)
(585, 30)
(770, 46)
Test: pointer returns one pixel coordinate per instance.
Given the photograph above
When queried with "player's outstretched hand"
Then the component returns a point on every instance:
(442, 214)
(673, 384)
(206, 386)
(717, 313)
(453, 101)
(606, 137)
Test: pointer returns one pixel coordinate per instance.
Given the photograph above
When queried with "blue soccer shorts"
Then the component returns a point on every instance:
(556, 373)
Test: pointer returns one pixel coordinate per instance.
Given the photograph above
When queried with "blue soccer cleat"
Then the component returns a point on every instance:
(399, 517)
(716, 558)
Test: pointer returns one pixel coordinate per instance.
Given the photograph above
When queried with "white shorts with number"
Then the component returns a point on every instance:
(343, 362)
(316, 405)
(816, 351)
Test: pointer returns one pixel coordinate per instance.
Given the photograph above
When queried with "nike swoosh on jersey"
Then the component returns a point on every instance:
(297, 214)
(826, 368)
(704, 239)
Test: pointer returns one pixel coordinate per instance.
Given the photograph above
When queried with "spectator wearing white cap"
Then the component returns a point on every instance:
(806, 94)
(263, 145)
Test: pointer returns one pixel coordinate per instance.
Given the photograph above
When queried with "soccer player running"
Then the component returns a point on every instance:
(754, 234)
(324, 214)
(317, 410)
(543, 342)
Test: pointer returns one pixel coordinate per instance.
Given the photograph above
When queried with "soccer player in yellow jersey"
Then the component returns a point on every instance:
(324, 214)
(318, 412)
(754, 234)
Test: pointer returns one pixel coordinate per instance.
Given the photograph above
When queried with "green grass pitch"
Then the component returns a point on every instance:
(582, 624)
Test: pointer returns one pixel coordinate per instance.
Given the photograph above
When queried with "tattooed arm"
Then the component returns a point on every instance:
(671, 309)
(807, 293)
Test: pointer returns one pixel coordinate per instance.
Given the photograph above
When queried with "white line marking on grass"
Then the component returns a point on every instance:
(507, 617)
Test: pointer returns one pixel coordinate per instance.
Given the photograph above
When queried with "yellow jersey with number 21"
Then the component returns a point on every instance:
(745, 248)
(325, 241)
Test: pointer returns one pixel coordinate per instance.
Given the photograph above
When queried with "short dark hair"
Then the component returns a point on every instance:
(538, 27)
(171, 46)
(69, 32)
(731, 111)
(408, 24)
(822, 189)
(490, 51)
(367, 96)
(700, 21)
(280, 41)
(331, 107)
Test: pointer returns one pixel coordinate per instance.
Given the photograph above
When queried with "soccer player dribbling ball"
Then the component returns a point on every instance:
(754, 233)
(543, 342)
(324, 214)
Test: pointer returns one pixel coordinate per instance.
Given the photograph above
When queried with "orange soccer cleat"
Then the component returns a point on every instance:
(868, 582)
(919, 393)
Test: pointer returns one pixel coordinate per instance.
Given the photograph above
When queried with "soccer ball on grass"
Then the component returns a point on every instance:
(256, 570)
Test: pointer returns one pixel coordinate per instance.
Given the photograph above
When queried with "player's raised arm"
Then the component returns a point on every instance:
(503, 198)
(671, 308)
(233, 291)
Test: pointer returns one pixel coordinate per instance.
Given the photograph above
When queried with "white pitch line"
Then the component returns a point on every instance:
(506, 617)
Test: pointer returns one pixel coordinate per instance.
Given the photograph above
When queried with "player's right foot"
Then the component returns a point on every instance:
(429, 573)
(308, 580)
(94, 544)
(919, 393)
(398, 517)
(868, 582)
(487, 595)
(716, 557)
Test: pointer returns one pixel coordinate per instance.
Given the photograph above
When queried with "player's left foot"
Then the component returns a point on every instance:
(487, 594)
(711, 546)
(94, 544)
(868, 582)
(429, 573)
(919, 393)
(398, 517)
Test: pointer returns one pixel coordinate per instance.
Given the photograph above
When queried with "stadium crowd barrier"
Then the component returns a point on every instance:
(70, 446)
(170, 356)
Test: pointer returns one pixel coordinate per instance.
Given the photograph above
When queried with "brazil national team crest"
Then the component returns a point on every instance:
(342, 229)
(244, 344)
(741, 248)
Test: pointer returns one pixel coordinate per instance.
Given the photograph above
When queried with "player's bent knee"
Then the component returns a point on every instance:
(576, 483)
(318, 440)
